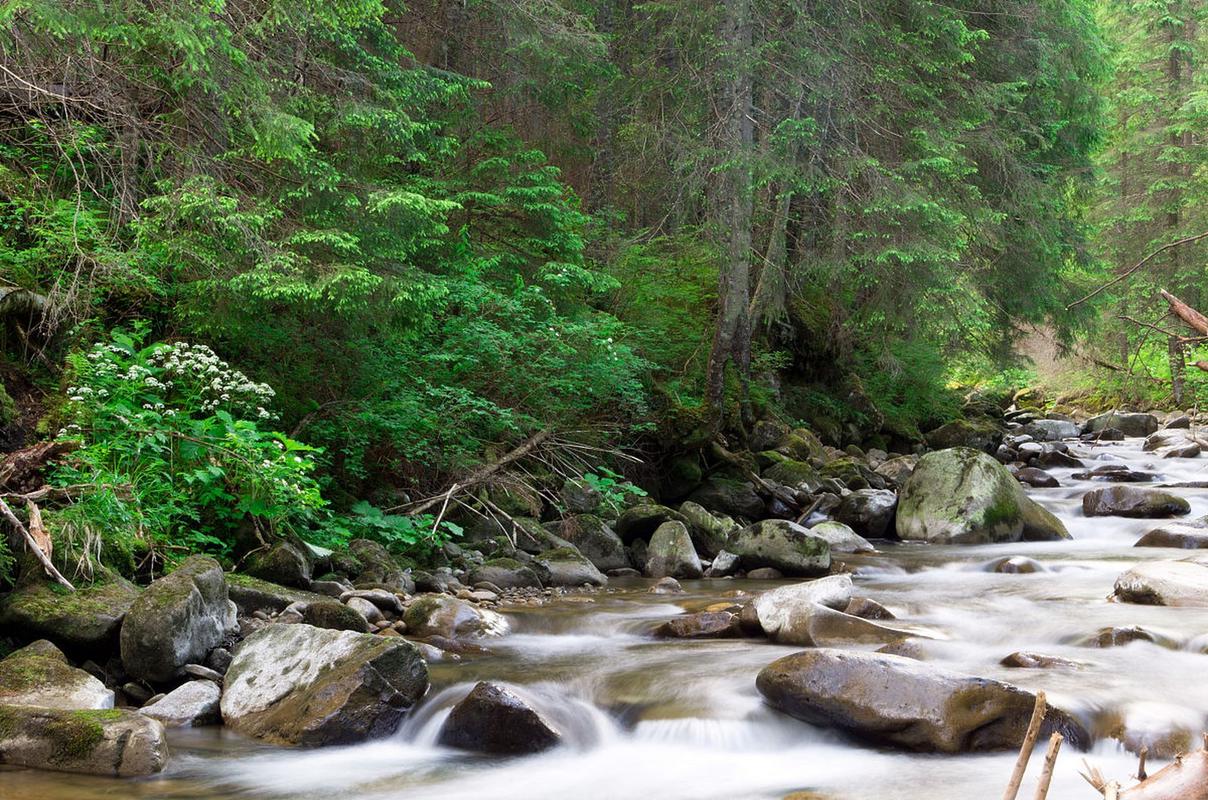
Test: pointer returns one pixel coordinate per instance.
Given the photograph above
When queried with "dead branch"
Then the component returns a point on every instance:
(1194, 319)
(1050, 760)
(32, 544)
(21, 468)
(1126, 273)
(1025, 751)
(69, 494)
(481, 474)
(763, 487)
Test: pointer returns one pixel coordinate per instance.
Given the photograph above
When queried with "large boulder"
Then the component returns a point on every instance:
(39, 675)
(87, 619)
(701, 625)
(506, 573)
(642, 520)
(1130, 423)
(671, 554)
(253, 594)
(896, 470)
(1173, 439)
(495, 719)
(568, 567)
(297, 684)
(1133, 501)
(1190, 535)
(287, 562)
(710, 532)
(177, 620)
(869, 512)
(978, 433)
(334, 615)
(777, 609)
(595, 540)
(898, 701)
(962, 496)
(729, 496)
(841, 538)
(1052, 430)
(1181, 582)
(784, 546)
(111, 742)
(450, 618)
(378, 567)
(191, 704)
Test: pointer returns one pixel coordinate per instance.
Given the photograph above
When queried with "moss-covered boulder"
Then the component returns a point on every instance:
(378, 567)
(298, 684)
(642, 520)
(670, 553)
(963, 496)
(729, 496)
(450, 618)
(177, 620)
(87, 619)
(869, 512)
(110, 742)
(253, 594)
(803, 445)
(286, 562)
(334, 615)
(852, 473)
(781, 545)
(39, 675)
(710, 532)
(886, 699)
(977, 433)
(566, 566)
(792, 473)
(506, 573)
(598, 543)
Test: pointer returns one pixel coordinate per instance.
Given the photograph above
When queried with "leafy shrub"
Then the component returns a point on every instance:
(173, 457)
(396, 532)
(614, 489)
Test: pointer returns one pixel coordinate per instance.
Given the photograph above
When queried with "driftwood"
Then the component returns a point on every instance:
(484, 472)
(762, 487)
(1025, 751)
(1185, 779)
(21, 470)
(1050, 761)
(32, 544)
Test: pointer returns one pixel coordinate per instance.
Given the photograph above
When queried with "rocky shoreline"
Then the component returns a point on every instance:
(315, 648)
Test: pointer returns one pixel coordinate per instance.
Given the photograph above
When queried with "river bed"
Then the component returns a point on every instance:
(681, 719)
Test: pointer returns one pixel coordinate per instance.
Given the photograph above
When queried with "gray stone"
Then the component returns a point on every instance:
(87, 619)
(869, 512)
(177, 620)
(285, 562)
(671, 554)
(1181, 582)
(297, 684)
(580, 497)
(641, 521)
(110, 742)
(1128, 422)
(506, 573)
(191, 704)
(710, 532)
(729, 496)
(495, 719)
(841, 538)
(595, 540)
(1133, 501)
(441, 615)
(784, 546)
(39, 675)
(568, 567)
(1050, 430)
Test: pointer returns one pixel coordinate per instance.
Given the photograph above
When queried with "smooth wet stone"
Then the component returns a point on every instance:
(1181, 582)
(869, 512)
(867, 608)
(701, 625)
(980, 434)
(724, 565)
(671, 554)
(782, 608)
(39, 675)
(1133, 501)
(784, 546)
(110, 742)
(1115, 473)
(710, 532)
(841, 538)
(1188, 535)
(191, 704)
(506, 573)
(372, 614)
(1024, 659)
(1173, 439)
(666, 586)
(297, 684)
(1015, 565)
(962, 496)
(495, 719)
(87, 619)
(904, 703)
(441, 615)
(765, 574)
(1130, 423)
(177, 620)
(1121, 635)
(1037, 478)
(1049, 430)
(387, 602)
(1163, 730)
(569, 568)
(595, 540)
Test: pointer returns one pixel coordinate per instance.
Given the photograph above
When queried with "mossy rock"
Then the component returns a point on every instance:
(506, 573)
(792, 473)
(783, 546)
(594, 540)
(39, 675)
(852, 473)
(978, 433)
(109, 742)
(334, 615)
(682, 476)
(254, 594)
(729, 496)
(8, 408)
(87, 619)
(285, 562)
(566, 566)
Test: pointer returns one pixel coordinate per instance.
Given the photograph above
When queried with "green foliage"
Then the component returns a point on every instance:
(173, 456)
(396, 532)
(614, 489)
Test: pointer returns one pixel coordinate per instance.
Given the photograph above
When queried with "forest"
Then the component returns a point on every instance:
(522, 387)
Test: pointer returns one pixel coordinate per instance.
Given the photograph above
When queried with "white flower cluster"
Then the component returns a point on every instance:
(218, 382)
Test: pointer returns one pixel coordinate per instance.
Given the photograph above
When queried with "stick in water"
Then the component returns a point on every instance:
(1050, 760)
(1025, 752)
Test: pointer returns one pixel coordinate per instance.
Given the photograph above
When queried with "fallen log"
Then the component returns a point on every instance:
(21, 470)
(32, 544)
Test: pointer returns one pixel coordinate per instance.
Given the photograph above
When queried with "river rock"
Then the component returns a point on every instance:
(87, 619)
(506, 573)
(595, 540)
(286, 562)
(853, 474)
(110, 742)
(335, 616)
(734, 497)
(786, 607)
(841, 538)
(568, 567)
(794, 474)
(387, 602)
(897, 469)
(892, 700)
(641, 521)
(297, 684)
(253, 594)
(671, 554)
(1182, 582)
(980, 434)
(962, 496)
(191, 704)
(39, 675)
(710, 532)
(177, 620)
(1133, 501)
(867, 608)
(378, 567)
(1037, 478)
(701, 625)
(580, 497)
(1015, 565)
(784, 546)
(1171, 440)
(1052, 430)
(441, 615)
(495, 719)
(1128, 422)
(1190, 535)
(869, 512)
(1024, 659)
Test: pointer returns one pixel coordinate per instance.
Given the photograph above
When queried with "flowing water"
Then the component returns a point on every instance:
(676, 719)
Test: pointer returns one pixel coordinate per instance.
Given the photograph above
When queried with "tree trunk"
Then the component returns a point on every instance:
(1174, 350)
(733, 209)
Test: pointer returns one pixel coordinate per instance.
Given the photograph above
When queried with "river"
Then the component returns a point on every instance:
(675, 719)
